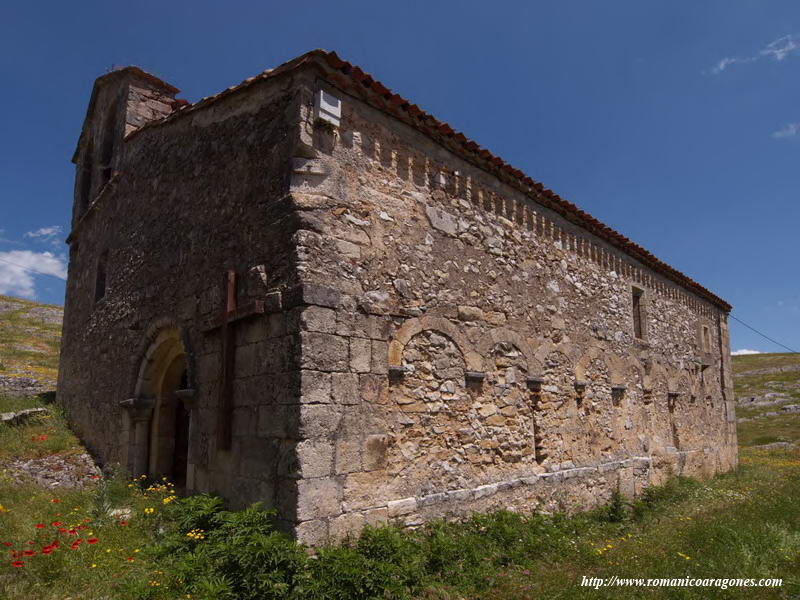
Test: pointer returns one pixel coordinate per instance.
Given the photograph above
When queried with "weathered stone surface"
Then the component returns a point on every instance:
(533, 364)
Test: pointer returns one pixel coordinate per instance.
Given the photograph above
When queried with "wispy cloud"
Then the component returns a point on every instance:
(787, 131)
(19, 268)
(744, 351)
(45, 234)
(777, 50)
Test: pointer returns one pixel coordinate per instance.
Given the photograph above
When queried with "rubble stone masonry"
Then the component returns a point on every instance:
(430, 340)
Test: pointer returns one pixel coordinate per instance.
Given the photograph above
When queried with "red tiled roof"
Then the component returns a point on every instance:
(351, 78)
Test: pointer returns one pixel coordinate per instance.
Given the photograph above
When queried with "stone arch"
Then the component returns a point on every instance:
(413, 326)
(159, 413)
(616, 374)
(657, 373)
(502, 335)
(164, 329)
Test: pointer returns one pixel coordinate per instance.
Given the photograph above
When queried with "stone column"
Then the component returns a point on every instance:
(189, 399)
(140, 411)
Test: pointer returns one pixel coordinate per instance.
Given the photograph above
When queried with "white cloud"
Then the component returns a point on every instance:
(788, 130)
(18, 268)
(782, 47)
(744, 351)
(777, 50)
(45, 234)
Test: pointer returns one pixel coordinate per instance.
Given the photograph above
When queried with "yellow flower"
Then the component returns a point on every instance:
(94, 566)
(149, 510)
(3, 509)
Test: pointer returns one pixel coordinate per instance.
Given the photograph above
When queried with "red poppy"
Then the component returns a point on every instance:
(56, 523)
(94, 477)
(72, 532)
(92, 541)
(47, 550)
(28, 553)
(33, 438)
(17, 563)
(62, 530)
(55, 544)
(75, 544)
(86, 520)
(81, 527)
(29, 542)
(55, 500)
(9, 544)
(129, 559)
(123, 523)
(40, 526)
(43, 437)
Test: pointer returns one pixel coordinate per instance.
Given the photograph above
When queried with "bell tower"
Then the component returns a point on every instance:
(122, 101)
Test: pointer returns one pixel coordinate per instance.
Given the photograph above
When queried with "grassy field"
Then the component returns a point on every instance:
(744, 524)
(30, 334)
(120, 539)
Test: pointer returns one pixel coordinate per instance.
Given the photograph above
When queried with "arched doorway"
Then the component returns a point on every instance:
(169, 428)
(161, 443)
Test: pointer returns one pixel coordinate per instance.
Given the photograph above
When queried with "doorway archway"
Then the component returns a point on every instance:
(160, 447)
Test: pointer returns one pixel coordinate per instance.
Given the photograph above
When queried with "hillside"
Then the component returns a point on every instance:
(30, 336)
(767, 398)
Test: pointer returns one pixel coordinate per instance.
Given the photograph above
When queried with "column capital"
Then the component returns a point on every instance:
(188, 397)
(139, 409)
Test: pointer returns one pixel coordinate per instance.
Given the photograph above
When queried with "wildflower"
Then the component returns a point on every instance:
(40, 526)
(130, 559)
(136, 550)
(149, 510)
(92, 541)
(123, 523)
(55, 544)
(17, 563)
(8, 544)
(3, 509)
(56, 523)
(55, 500)
(94, 566)
(43, 437)
(94, 477)
(47, 550)
(75, 544)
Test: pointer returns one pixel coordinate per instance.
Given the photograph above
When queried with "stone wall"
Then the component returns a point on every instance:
(189, 200)
(429, 340)
(503, 335)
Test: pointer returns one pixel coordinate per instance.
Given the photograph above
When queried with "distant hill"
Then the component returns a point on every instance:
(30, 337)
(767, 398)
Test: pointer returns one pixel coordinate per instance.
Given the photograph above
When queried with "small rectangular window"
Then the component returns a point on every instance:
(638, 313)
(100, 279)
(706, 339)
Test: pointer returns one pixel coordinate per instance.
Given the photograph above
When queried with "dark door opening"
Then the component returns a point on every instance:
(180, 455)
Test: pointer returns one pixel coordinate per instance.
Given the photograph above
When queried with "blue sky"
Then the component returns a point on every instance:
(677, 123)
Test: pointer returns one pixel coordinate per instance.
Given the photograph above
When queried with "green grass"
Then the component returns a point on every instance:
(749, 362)
(29, 345)
(755, 385)
(743, 524)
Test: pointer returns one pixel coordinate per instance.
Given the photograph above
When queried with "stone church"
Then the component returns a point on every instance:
(306, 291)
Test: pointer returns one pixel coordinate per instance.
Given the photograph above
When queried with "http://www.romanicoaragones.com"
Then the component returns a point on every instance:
(719, 583)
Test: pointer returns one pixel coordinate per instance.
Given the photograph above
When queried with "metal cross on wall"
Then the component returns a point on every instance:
(231, 314)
